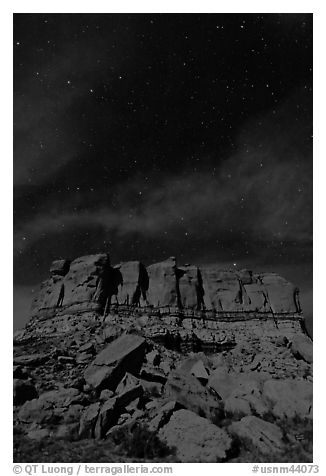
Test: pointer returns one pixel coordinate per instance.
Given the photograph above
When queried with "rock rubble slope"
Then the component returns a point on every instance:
(165, 363)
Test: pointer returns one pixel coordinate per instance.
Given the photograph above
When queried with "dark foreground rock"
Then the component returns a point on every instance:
(125, 354)
(289, 398)
(23, 391)
(302, 348)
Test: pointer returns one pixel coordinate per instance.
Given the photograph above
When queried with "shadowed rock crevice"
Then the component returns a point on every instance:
(142, 286)
(190, 287)
(132, 284)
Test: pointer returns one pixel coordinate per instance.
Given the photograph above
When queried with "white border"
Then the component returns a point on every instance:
(167, 6)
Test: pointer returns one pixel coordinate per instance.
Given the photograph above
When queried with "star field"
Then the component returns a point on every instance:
(154, 135)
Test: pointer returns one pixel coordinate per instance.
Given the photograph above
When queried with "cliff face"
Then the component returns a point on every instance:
(91, 283)
(211, 365)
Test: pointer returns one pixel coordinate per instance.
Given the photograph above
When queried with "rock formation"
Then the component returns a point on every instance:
(91, 283)
(180, 363)
(133, 283)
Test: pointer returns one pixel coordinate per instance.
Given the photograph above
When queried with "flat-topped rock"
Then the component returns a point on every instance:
(89, 283)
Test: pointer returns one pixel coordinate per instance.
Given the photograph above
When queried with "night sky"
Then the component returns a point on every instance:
(147, 135)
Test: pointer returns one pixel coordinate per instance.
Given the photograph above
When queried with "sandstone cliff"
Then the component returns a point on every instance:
(91, 283)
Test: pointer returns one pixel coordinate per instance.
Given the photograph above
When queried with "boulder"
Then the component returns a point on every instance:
(246, 399)
(83, 357)
(126, 423)
(88, 348)
(152, 389)
(67, 431)
(38, 434)
(78, 382)
(199, 371)
(224, 383)
(31, 360)
(163, 289)
(238, 407)
(36, 410)
(241, 392)
(106, 394)
(111, 332)
(49, 404)
(265, 436)
(289, 398)
(98, 377)
(62, 398)
(163, 415)
(187, 391)
(88, 421)
(73, 413)
(155, 375)
(251, 392)
(125, 354)
(302, 348)
(107, 417)
(128, 390)
(133, 406)
(66, 359)
(23, 391)
(196, 439)
(195, 366)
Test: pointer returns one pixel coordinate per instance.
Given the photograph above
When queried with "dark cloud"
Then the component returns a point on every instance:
(261, 192)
